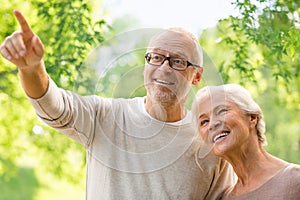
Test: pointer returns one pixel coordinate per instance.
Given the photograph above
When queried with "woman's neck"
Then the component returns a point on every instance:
(253, 169)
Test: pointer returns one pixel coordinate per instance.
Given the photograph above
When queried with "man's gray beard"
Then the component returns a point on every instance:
(163, 97)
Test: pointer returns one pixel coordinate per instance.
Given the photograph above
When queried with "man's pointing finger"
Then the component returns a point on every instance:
(24, 24)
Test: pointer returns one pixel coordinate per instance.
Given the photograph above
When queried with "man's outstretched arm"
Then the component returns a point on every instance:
(24, 49)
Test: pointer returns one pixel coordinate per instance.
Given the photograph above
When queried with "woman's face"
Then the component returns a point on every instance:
(222, 124)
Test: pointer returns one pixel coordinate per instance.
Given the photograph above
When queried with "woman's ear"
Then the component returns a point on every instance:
(253, 120)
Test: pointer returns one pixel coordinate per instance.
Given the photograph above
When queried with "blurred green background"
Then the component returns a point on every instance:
(259, 49)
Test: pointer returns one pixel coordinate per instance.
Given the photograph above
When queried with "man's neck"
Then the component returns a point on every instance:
(167, 112)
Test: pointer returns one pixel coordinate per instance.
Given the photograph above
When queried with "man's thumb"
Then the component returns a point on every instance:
(37, 46)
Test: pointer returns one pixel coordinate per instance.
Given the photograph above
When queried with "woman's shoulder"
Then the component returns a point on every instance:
(292, 169)
(291, 173)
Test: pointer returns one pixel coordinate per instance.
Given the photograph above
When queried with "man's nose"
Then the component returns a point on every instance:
(166, 65)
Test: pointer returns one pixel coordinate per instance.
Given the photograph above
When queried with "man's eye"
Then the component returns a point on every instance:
(178, 61)
(156, 58)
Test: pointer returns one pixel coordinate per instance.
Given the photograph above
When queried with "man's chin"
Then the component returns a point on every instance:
(164, 97)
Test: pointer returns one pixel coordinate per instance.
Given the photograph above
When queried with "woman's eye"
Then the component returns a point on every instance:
(204, 122)
(222, 111)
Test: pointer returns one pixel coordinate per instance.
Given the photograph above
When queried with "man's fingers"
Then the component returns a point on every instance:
(11, 49)
(5, 53)
(24, 24)
(18, 44)
(14, 46)
(8, 56)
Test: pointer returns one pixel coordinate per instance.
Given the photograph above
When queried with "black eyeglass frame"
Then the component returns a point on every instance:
(168, 58)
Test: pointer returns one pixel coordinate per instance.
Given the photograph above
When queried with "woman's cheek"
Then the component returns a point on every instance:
(203, 133)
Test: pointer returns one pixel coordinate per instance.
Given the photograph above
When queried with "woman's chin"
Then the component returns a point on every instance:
(220, 150)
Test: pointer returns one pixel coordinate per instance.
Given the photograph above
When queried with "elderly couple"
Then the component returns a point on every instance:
(148, 147)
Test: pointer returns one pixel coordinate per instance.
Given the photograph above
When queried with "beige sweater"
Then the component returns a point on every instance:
(285, 185)
(131, 156)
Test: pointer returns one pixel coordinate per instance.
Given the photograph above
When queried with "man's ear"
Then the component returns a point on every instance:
(197, 76)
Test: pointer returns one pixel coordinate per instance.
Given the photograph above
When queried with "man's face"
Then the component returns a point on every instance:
(164, 84)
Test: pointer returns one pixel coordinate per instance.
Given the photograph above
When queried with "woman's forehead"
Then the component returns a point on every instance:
(213, 98)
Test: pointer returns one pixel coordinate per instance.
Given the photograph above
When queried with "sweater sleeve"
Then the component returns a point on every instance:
(49, 106)
(69, 113)
(224, 177)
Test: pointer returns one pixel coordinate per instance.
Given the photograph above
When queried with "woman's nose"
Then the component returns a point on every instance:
(215, 124)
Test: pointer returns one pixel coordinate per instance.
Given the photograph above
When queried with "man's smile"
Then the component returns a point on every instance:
(163, 82)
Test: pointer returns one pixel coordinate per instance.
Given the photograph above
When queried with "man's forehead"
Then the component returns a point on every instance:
(175, 45)
(167, 51)
(180, 43)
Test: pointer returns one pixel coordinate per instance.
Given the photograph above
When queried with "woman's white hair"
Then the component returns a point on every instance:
(238, 95)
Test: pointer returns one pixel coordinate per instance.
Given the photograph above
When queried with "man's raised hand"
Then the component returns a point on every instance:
(23, 48)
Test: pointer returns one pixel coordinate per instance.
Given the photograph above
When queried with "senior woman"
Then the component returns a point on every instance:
(231, 123)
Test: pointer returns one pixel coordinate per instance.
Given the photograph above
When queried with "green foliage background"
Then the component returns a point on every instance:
(259, 49)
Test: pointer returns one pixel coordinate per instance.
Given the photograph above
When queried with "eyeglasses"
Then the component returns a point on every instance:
(176, 63)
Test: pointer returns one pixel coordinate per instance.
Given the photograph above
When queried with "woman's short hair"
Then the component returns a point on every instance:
(238, 95)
